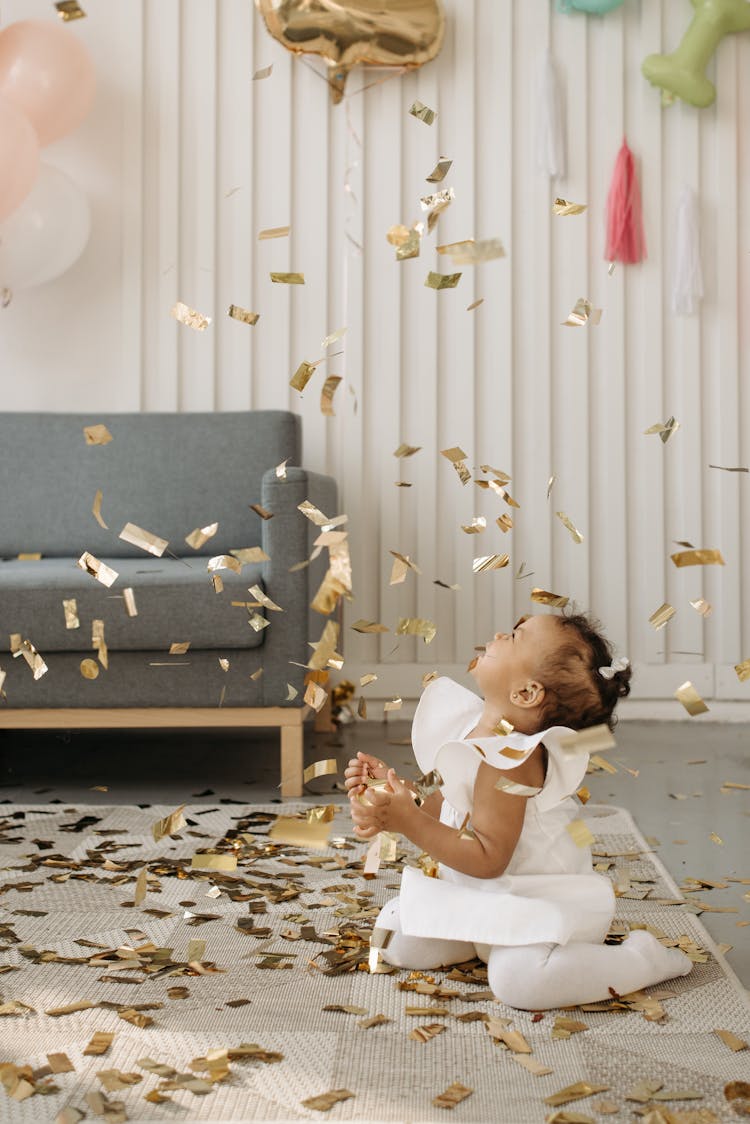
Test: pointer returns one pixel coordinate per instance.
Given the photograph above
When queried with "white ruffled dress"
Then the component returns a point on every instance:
(549, 891)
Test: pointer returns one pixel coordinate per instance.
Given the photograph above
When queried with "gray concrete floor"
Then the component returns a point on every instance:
(676, 796)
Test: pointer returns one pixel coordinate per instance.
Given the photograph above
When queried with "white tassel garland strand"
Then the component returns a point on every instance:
(687, 284)
(550, 132)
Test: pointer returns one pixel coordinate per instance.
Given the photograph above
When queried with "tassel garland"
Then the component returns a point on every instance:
(626, 241)
(550, 135)
(687, 284)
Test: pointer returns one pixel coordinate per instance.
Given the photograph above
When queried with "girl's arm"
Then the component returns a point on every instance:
(485, 847)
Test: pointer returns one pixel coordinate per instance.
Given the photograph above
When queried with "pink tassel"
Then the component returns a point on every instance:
(626, 241)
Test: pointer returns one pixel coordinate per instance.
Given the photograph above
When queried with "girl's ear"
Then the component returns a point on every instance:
(530, 695)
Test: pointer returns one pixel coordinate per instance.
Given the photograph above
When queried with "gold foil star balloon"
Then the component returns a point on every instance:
(398, 33)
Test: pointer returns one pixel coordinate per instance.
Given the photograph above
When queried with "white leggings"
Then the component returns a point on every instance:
(536, 977)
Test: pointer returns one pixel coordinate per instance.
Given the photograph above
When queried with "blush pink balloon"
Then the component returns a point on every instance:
(19, 157)
(48, 73)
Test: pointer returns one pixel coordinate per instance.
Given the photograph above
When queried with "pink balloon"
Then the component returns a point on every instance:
(19, 157)
(47, 72)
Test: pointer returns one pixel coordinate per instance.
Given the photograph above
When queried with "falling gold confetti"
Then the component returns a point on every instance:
(247, 555)
(313, 513)
(594, 739)
(698, 558)
(743, 670)
(423, 112)
(170, 825)
(281, 469)
(490, 562)
(97, 434)
(544, 597)
(129, 598)
(368, 626)
(407, 450)
(264, 600)
(261, 511)
(179, 648)
(575, 533)
(664, 429)
(416, 626)
(582, 313)
(200, 536)
(366, 680)
(440, 171)
(474, 304)
(723, 468)
(690, 699)
(401, 567)
(325, 768)
(97, 569)
(477, 525)
(217, 583)
(579, 833)
(226, 562)
(291, 692)
(702, 606)
(243, 314)
(89, 669)
(70, 608)
(457, 457)
(474, 253)
(69, 10)
(302, 376)
(392, 704)
(315, 696)
(563, 207)
(274, 232)
(136, 536)
(661, 616)
(189, 317)
(330, 386)
(264, 72)
(35, 556)
(288, 278)
(96, 510)
(332, 337)
(442, 280)
(505, 523)
(550, 482)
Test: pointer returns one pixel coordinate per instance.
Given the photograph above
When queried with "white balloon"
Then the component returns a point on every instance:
(46, 234)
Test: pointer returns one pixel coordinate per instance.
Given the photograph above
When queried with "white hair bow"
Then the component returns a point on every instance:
(616, 665)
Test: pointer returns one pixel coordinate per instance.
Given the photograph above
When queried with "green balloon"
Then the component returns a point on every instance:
(683, 72)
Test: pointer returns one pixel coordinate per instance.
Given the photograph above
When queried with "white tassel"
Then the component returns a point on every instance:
(687, 285)
(550, 135)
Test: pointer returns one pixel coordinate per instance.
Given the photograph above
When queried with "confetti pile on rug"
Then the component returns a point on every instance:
(120, 1011)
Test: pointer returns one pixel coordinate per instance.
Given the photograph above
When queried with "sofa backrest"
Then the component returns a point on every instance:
(167, 473)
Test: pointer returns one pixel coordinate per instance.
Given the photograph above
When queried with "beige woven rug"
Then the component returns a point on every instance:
(62, 883)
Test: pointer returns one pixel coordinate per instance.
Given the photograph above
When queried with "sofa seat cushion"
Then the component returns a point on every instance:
(174, 598)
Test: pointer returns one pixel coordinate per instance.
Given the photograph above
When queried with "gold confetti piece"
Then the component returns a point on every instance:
(393, 704)
(332, 337)
(202, 861)
(425, 1033)
(416, 626)
(401, 567)
(442, 280)
(575, 533)
(702, 606)
(574, 1092)
(452, 1096)
(474, 253)
(315, 696)
(26, 649)
(532, 1065)
(728, 1038)
(288, 278)
(140, 886)
(179, 647)
(513, 788)
(136, 536)
(217, 583)
(440, 171)
(264, 600)
(490, 562)
(196, 950)
(477, 525)
(362, 707)
(291, 692)
(582, 313)
(314, 514)
(563, 207)
(368, 626)
(690, 699)
(743, 670)
(200, 536)
(698, 558)
(264, 72)
(592, 739)
(579, 833)
(189, 317)
(243, 314)
(99, 1044)
(325, 648)
(330, 386)
(70, 608)
(397, 234)
(97, 569)
(661, 616)
(505, 523)
(544, 597)
(325, 1101)
(474, 304)
(96, 510)
(664, 429)
(170, 825)
(407, 450)
(226, 562)
(274, 232)
(723, 468)
(376, 1020)
(300, 833)
(513, 1039)
(324, 768)
(302, 376)
(423, 112)
(71, 1008)
(345, 1008)
(503, 727)
(281, 469)
(97, 434)
(245, 556)
(129, 598)
(69, 10)
(34, 557)
(716, 839)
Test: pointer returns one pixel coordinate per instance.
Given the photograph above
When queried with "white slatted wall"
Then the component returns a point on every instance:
(186, 159)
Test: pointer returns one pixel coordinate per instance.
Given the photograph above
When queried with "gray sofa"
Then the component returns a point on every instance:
(168, 474)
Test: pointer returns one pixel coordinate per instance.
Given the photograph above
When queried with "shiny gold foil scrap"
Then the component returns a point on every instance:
(330, 386)
(70, 608)
(501, 477)
(246, 555)
(401, 566)
(579, 833)
(179, 647)
(410, 247)
(574, 1092)
(202, 861)
(99, 570)
(189, 317)
(593, 739)
(97, 434)
(423, 112)
(264, 600)
(452, 1096)
(263, 512)
(664, 429)
(326, 768)
(698, 558)
(217, 583)
(34, 556)
(367, 679)
(69, 10)
(21, 647)
(89, 669)
(288, 278)
(96, 510)
(566, 522)
(544, 597)
(393, 704)
(313, 513)
(140, 886)
(200, 536)
(550, 482)
(416, 626)
(723, 468)
(145, 540)
(582, 313)
(743, 671)
(474, 304)
(442, 280)
(407, 450)
(474, 253)
(505, 523)
(263, 72)
(455, 455)
(490, 562)
(274, 232)
(397, 235)
(702, 606)
(256, 675)
(440, 199)
(302, 376)
(323, 1102)
(224, 562)
(440, 171)
(244, 315)
(445, 585)
(316, 697)
(257, 622)
(332, 337)
(300, 833)
(563, 207)
(661, 616)
(368, 626)
(477, 525)
(514, 788)
(170, 825)
(325, 648)
(362, 707)
(280, 469)
(690, 699)
(503, 727)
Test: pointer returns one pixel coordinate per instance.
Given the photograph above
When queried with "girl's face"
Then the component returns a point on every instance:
(507, 672)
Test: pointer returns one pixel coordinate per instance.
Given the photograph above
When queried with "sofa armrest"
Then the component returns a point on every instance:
(287, 539)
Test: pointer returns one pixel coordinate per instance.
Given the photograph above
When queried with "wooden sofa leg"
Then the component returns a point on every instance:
(292, 759)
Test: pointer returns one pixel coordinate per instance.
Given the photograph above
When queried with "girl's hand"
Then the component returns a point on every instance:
(389, 809)
(362, 768)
